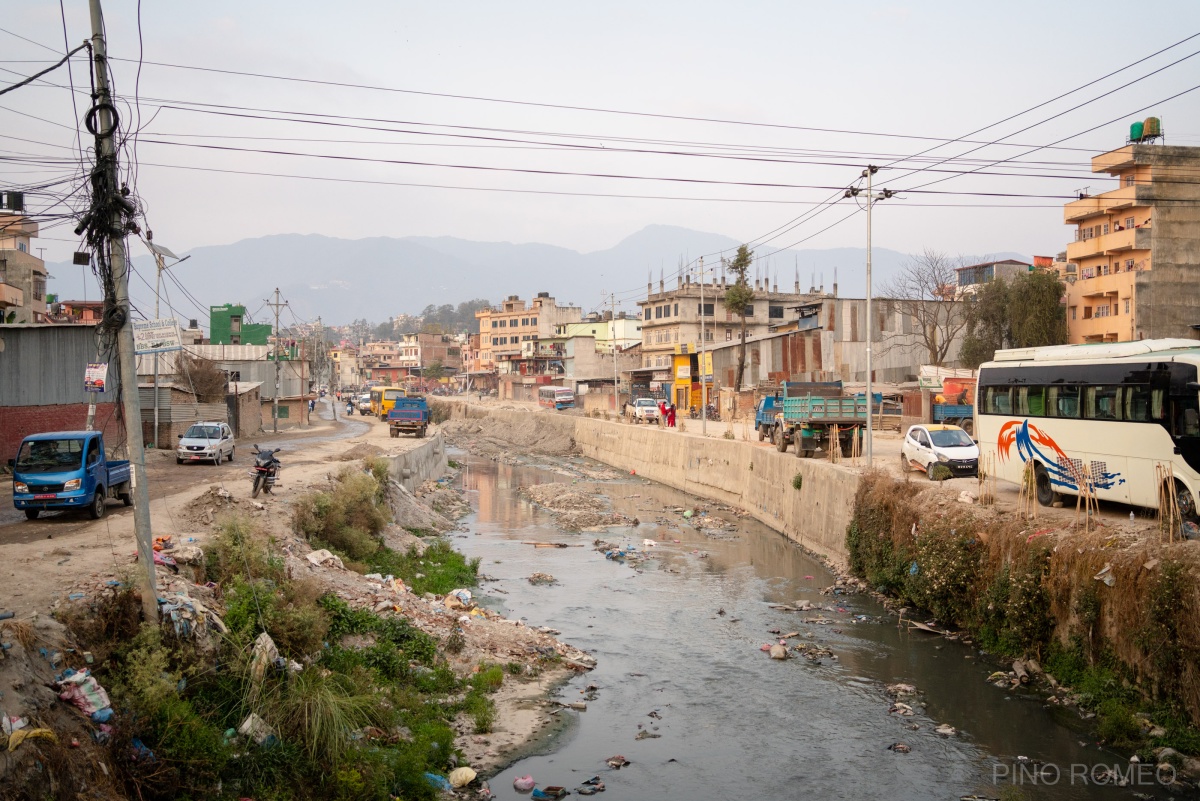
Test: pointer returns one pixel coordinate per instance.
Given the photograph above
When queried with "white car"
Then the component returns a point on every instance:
(205, 442)
(927, 446)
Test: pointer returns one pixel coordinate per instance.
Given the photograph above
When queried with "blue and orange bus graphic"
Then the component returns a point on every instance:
(1063, 470)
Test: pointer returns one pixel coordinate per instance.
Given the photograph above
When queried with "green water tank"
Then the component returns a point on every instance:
(1135, 131)
(1152, 127)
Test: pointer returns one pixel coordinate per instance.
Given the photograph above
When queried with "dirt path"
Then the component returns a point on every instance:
(46, 560)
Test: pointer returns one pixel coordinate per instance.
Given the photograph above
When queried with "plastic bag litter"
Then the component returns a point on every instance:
(324, 557)
(256, 729)
(523, 784)
(438, 782)
(457, 599)
(82, 690)
(17, 737)
(265, 654)
(461, 777)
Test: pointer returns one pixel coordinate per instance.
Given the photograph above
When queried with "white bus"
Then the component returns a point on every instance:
(1114, 411)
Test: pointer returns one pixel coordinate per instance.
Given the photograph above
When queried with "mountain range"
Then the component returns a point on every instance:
(380, 277)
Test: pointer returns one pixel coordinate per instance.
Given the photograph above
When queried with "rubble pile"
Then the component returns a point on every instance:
(574, 509)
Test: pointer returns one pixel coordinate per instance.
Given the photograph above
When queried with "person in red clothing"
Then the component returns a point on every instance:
(662, 412)
(671, 416)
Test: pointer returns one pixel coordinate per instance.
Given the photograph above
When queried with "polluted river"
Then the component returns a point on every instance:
(685, 693)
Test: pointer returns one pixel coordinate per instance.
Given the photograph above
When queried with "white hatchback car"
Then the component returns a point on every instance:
(205, 442)
(927, 446)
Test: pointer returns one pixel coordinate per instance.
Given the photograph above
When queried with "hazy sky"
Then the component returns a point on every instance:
(920, 69)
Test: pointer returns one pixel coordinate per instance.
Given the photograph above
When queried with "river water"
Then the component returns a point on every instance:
(733, 723)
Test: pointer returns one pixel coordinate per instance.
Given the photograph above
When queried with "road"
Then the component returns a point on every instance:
(44, 558)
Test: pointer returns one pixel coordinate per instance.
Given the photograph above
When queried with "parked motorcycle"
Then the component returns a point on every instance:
(712, 413)
(266, 470)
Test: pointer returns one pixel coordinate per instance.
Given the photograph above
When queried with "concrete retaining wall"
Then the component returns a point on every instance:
(755, 479)
(415, 467)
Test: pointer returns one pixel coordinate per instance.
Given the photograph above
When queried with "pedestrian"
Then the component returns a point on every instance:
(671, 416)
(312, 404)
(662, 412)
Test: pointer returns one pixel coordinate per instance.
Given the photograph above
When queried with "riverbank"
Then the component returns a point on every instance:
(1107, 604)
(309, 568)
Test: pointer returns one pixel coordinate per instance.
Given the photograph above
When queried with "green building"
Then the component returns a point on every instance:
(228, 326)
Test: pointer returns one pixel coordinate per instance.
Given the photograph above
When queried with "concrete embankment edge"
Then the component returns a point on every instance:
(752, 478)
(423, 463)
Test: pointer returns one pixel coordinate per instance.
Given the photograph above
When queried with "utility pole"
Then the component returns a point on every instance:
(126, 359)
(872, 197)
(160, 264)
(703, 405)
(612, 310)
(275, 402)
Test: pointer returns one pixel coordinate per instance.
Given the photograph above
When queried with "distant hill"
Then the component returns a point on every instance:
(379, 277)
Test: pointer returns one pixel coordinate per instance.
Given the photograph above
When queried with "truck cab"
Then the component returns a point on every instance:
(764, 415)
(410, 415)
(67, 470)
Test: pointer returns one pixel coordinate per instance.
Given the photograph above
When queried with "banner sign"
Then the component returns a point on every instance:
(94, 377)
(156, 336)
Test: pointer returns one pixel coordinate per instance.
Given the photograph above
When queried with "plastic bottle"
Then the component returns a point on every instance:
(1131, 516)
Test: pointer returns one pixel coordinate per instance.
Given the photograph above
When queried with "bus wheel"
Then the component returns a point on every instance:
(1045, 490)
(969, 427)
(1185, 501)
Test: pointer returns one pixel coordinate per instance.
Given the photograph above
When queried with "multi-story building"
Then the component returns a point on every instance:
(970, 279)
(625, 330)
(503, 328)
(347, 369)
(227, 325)
(671, 319)
(22, 275)
(1137, 248)
(417, 351)
(78, 312)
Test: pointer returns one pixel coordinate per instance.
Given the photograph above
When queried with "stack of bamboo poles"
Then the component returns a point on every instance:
(1086, 501)
(1027, 504)
(986, 475)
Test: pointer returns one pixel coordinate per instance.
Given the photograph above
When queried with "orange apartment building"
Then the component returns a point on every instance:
(503, 328)
(1133, 270)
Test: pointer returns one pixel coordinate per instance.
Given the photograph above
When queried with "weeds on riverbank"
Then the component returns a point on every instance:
(1121, 648)
(358, 706)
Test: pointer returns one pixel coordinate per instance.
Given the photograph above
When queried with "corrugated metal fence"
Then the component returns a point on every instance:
(43, 365)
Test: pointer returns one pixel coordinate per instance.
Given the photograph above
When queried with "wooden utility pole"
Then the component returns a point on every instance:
(126, 358)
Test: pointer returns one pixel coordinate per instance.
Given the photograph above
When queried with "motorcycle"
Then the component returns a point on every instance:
(711, 413)
(266, 470)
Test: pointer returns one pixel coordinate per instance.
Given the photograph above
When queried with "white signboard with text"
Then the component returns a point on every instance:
(156, 336)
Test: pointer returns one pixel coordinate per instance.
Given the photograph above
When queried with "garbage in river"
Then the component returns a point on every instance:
(617, 762)
(523, 784)
(946, 730)
(542, 578)
(553, 791)
(461, 777)
(899, 748)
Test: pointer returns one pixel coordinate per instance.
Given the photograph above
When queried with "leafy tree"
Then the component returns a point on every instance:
(434, 371)
(737, 298)
(1026, 313)
(988, 325)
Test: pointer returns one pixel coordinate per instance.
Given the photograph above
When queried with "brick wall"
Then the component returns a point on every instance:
(18, 422)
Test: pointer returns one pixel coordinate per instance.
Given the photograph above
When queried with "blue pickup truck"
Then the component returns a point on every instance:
(410, 415)
(764, 415)
(67, 470)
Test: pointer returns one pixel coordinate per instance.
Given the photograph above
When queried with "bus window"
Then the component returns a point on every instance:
(1157, 404)
(996, 400)
(1062, 402)
(1029, 401)
(1137, 404)
(1187, 415)
(1102, 403)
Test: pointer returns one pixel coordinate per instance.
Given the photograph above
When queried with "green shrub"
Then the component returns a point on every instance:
(488, 679)
(350, 518)
(441, 567)
(482, 711)
(941, 472)
(797, 481)
(240, 549)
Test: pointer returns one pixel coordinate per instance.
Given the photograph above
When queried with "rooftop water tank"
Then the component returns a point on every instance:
(1152, 127)
(1135, 131)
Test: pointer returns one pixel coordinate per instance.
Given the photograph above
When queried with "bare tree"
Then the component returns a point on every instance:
(207, 380)
(924, 290)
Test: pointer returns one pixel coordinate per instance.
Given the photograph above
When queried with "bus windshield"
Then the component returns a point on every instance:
(393, 394)
(50, 456)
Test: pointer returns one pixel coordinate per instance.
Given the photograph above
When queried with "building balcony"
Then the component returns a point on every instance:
(11, 296)
(1117, 200)
(1110, 243)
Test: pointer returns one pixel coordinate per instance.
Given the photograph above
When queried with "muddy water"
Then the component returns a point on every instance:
(732, 722)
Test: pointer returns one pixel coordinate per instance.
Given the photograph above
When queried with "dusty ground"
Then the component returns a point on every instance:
(66, 559)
